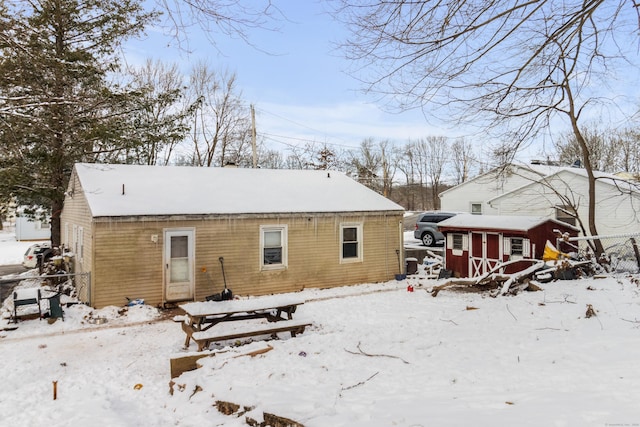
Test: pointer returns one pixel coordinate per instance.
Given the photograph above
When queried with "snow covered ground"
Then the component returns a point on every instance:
(376, 355)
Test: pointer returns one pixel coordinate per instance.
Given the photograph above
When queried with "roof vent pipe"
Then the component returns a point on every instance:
(123, 189)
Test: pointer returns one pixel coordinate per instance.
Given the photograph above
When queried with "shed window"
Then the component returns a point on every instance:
(273, 246)
(517, 247)
(457, 243)
(350, 242)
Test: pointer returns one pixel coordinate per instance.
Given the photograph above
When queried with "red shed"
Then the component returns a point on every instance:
(477, 243)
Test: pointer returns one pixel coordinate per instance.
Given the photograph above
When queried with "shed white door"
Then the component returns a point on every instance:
(484, 252)
(179, 264)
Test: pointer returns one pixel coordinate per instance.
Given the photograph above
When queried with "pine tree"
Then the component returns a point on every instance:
(57, 104)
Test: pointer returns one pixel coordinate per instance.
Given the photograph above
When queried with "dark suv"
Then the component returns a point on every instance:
(427, 227)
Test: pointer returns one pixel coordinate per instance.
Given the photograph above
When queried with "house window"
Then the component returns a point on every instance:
(67, 242)
(81, 244)
(273, 247)
(351, 242)
(476, 208)
(74, 242)
(566, 214)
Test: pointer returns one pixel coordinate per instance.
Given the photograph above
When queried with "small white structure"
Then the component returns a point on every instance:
(31, 229)
(550, 192)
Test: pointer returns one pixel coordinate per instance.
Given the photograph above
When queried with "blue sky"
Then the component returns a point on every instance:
(298, 82)
(300, 88)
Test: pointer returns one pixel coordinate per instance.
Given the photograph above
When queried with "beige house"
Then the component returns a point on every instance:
(158, 232)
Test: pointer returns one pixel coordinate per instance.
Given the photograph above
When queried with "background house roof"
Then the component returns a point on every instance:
(601, 177)
(538, 172)
(498, 222)
(183, 190)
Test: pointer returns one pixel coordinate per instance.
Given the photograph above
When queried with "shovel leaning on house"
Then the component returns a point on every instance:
(226, 293)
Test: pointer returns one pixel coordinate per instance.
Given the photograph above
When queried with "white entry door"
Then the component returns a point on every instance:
(179, 264)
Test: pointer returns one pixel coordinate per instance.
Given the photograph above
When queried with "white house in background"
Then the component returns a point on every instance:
(31, 229)
(549, 191)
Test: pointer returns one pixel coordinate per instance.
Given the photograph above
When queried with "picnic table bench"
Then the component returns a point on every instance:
(202, 318)
(26, 297)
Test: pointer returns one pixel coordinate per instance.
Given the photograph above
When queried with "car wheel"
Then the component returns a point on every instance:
(428, 239)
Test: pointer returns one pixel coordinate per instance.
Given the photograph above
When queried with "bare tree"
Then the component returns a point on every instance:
(431, 154)
(601, 145)
(374, 165)
(438, 147)
(157, 120)
(462, 157)
(509, 66)
(628, 149)
(220, 119)
(271, 159)
(611, 150)
(407, 165)
(231, 18)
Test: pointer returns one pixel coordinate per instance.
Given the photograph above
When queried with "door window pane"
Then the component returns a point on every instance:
(179, 246)
(179, 270)
(179, 259)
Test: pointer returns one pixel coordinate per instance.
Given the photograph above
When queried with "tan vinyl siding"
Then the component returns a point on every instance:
(129, 264)
(76, 213)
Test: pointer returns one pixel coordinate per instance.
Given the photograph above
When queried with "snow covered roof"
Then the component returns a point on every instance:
(538, 172)
(132, 190)
(498, 222)
(601, 177)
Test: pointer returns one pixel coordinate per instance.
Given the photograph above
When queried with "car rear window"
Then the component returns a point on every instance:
(434, 218)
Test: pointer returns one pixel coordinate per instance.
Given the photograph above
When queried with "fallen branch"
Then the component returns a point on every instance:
(561, 302)
(452, 282)
(520, 276)
(495, 278)
(360, 352)
(360, 383)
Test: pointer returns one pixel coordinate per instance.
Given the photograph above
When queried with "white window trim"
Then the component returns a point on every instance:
(74, 241)
(285, 250)
(465, 244)
(526, 248)
(471, 208)
(80, 253)
(67, 242)
(359, 228)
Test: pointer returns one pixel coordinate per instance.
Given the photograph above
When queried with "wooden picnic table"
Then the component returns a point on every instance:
(201, 317)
